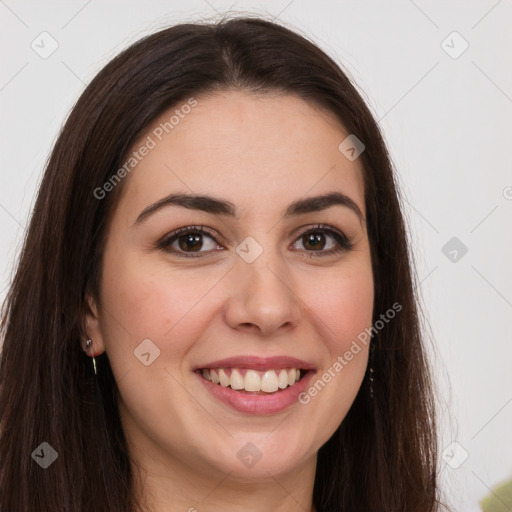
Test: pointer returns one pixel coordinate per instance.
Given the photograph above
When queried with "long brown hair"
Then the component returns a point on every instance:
(383, 455)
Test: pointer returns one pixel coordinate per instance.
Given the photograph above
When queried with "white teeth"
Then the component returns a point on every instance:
(282, 380)
(223, 378)
(237, 381)
(252, 381)
(214, 377)
(269, 381)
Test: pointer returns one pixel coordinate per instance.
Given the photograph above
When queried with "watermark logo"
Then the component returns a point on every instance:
(150, 143)
(45, 45)
(455, 455)
(44, 455)
(147, 352)
(454, 45)
(454, 249)
(249, 454)
(249, 249)
(351, 147)
(344, 359)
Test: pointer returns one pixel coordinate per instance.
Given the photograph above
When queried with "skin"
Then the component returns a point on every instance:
(260, 152)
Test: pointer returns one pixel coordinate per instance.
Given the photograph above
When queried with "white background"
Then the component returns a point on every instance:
(447, 122)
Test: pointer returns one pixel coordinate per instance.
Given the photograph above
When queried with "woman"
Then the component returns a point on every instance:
(218, 229)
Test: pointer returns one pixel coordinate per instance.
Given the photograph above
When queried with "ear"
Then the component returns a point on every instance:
(93, 327)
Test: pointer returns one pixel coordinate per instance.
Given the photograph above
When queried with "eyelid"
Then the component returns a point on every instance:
(165, 241)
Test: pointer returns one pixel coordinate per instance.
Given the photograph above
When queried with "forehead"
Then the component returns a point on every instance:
(260, 151)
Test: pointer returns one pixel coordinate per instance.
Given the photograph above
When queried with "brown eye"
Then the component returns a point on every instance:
(190, 242)
(316, 240)
(187, 241)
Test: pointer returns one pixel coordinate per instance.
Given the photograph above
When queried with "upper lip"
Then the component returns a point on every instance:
(258, 363)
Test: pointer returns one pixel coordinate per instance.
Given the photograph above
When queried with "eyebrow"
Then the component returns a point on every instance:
(222, 207)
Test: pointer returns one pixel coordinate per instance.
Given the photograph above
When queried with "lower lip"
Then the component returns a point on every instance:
(258, 404)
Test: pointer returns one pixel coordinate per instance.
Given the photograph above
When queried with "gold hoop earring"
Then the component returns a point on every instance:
(87, 346)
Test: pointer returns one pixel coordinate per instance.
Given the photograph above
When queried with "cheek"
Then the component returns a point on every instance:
(342, 310)
(344, 305)
(145, 301)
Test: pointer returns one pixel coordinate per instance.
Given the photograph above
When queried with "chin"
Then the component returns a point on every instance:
(257, 456)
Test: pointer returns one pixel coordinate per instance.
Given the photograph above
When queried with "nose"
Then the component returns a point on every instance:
(263, 300)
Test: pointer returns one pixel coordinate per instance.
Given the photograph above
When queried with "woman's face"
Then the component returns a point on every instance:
(263, 285)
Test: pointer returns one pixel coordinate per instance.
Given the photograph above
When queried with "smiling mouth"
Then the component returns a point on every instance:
(253, 382)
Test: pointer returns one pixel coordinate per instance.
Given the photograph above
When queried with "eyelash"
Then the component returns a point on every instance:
(344, 243)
